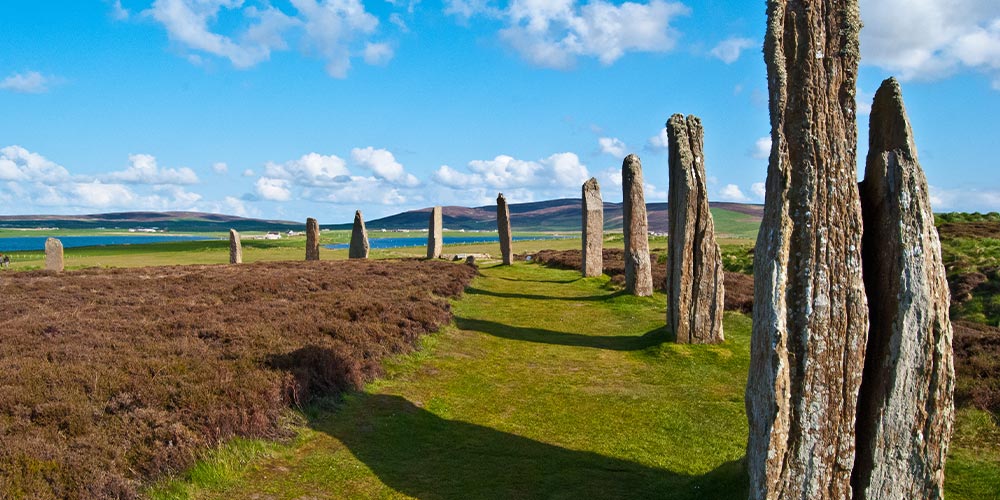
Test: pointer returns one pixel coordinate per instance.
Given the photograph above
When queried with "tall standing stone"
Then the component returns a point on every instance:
(435, 237)
(906, 405)
(359, 238)
(696, 295)
(235, 247)
(810, 318)
(312, 239)
(593, 229)
(638, 270)
(503, 229)
(54, 255)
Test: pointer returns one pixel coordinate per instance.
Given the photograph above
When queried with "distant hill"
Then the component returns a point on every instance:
(172, 221)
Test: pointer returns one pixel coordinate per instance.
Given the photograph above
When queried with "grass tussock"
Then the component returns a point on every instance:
(114, 377)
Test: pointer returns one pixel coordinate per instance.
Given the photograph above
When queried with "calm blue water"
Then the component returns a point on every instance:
(27, 243)
(448, 240)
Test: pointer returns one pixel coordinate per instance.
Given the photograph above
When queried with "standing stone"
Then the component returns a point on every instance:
(312, 239)
(906, 405)
(694, 266)
(359, 238)
(503, 228)
(638, 270)
(235, 247)
(810, 318)
(54, 255)
(593, 229)
(435, 237)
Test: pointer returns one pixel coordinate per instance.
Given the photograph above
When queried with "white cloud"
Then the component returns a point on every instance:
(761, 148)
(964, 199)
(273, 189)
(378, 54)
(758, 189)
(31, 82)
(144, 170)
(248, 173)
(19, 164)
(660, 141)
(732, 192)
(612, 146)
(560, 174)
(359, 190)
(930, 39)
(118, 12)
(729, 50)
(220, 167)
(383, 164)
(329, 27)
(553, 34)
(312, 169)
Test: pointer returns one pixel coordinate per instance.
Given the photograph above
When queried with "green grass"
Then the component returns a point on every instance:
(730, 224)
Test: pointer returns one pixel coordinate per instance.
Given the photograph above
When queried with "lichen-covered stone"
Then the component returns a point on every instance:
(593, 229)
(696, 295)
(810, 318)
(235, 247)
(312, 239)
(54, 255)
(503, 229)
(358, 248)
(638, 270)
(435, 237)
(906, 405)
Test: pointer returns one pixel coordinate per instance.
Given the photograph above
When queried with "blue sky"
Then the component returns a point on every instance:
(294, 108)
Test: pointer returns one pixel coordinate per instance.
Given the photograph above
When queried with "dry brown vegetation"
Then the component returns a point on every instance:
(112, 377)
(739, 287)
(977, 365)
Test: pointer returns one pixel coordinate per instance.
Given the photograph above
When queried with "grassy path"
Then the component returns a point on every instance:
(549, 386)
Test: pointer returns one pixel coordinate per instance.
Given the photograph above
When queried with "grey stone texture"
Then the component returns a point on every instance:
(235, 247)
(810, 317)
(593, 229)
(312, 239)
(435, 237)
(696, 294)
(638, 269)
(359, 238)
(906, 406)
(54, 260)
(503, 229)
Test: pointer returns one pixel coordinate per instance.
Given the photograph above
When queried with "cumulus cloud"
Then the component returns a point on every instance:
(758, 189)
(553, 34)
(312, 169)
(144, 170)
(220, 167)
(330, 26)
(729, 50)
(378, 54)
(732, 192)
(556, 173)
(19, 164)
(118, 12)
(761, 148)
(273, 189)
(611, 146)
(383, 164)
(31, 82)
(660, 141)
(930, 39)
(976, 199)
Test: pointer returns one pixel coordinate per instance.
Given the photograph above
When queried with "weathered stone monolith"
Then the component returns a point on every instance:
(906, 405)
(435, 239)
(638, 270)
(696, 295)
(593, 229)
(235, 247)
(54, 255)
(810, 318)
(503, 229)
(359, 238)
(312, 239)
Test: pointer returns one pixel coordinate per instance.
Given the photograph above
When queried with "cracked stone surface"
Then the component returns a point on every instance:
(638, 270)
(810, 317)
(696, 294)
(54, 255)
(235, 247)
(435, 238)
(593, 229)
(312, 239)
(359, 238)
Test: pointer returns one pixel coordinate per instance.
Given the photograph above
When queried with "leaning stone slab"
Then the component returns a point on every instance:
(235, 247)
(312, 239)
(906, 406)
(359, 238)
(696, 295)
(435, 237)
(54, 255)
(593, 229)
(810, 317)
(638, 270)
(503, 229)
